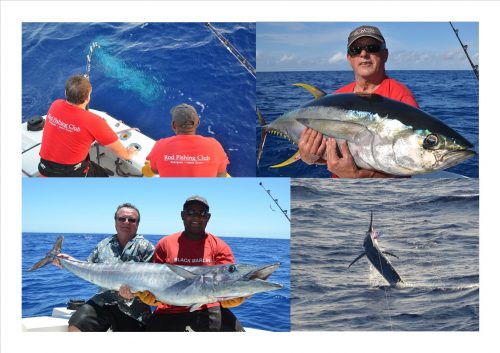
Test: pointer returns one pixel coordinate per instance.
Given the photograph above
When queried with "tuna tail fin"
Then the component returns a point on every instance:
(263, 134)
(315, 91)
(51, 255)
(292, 159)
(356, 259)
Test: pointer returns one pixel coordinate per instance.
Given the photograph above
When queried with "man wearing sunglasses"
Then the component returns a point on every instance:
(367, 54)
(191, 247)
(108, 309)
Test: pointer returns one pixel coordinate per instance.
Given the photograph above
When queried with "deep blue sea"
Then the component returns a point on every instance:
(51, 287)
(451, 96)
(432, 225)
(141, 70)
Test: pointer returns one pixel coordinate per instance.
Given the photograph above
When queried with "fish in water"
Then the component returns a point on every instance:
(377, 257)
(190, 286)
(382, 134)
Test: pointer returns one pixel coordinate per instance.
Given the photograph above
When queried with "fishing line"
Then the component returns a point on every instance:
(285, 213)
(465, 47)
(243, 61)
(386, 296)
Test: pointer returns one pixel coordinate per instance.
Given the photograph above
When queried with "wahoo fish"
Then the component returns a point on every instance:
(382, 134)
(190, 286)
(377, 257)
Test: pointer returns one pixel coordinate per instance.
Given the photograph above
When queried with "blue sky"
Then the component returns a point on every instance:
(321, 46)
(239, 206)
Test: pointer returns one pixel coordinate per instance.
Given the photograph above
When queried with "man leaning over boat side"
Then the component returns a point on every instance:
(187, 154)
(367, 54)
(69, 132)
(108, 310)
(191, 247)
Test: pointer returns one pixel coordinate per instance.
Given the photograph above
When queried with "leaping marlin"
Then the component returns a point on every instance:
(378, 257)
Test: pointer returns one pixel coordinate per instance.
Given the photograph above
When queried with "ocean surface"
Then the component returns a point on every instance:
(141, 70)
(50, 287)
(451, 96)
(431, 225)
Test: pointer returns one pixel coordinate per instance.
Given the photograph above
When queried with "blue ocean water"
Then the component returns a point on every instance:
(50, 287)
(451, 96)
(141, 70)
(431, 225)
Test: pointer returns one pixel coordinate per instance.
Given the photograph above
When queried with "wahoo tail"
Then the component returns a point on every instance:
(51, 255)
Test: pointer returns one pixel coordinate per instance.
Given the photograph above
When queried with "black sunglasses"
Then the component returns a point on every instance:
(130, 220)
(370, 48)
(197, 213)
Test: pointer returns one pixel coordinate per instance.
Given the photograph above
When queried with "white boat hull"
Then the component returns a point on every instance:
(106, 158)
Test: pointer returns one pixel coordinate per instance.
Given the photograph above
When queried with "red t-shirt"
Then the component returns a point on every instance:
(188, 156)
(69, 132)
(389, 88)
(179, 250)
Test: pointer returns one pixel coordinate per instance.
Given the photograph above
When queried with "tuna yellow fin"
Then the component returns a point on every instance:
(290, 160)
(315, 91)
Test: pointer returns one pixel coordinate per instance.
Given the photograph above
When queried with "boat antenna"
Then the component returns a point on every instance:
(465, 47)
(285, 213)
(243, 61)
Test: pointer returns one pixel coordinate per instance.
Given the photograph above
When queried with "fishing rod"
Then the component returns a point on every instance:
(276, 202)
(243, 61)
(475, 68)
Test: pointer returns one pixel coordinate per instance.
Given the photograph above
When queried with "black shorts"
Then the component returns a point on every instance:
(85, 168)
(211, 319)
(91, 317)
(199, 320)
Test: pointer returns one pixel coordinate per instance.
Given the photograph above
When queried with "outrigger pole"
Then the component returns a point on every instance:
(243, 61)
(276, 202)
(475, 68)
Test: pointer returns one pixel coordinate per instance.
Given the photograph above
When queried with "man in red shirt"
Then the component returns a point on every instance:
(367, 54)
(191, 247)
(187, 154)
(69, 132)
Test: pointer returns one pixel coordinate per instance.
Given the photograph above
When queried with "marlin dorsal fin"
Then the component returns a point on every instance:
(371, 222)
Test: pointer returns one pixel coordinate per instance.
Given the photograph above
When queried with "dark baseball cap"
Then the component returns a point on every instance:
(365, 31)
(196, 198)
(184, 115)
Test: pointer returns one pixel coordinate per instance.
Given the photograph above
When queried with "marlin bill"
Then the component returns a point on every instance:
(382, 134)
(190, 286)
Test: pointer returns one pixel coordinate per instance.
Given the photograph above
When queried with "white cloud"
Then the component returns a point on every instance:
(337, 58)
(286, 58)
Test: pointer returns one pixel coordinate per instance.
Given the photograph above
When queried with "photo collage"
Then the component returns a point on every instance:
(250, 176)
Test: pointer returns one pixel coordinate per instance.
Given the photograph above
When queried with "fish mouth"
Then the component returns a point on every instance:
(262, 272)
(452, 158)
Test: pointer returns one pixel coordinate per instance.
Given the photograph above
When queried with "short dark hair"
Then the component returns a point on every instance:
(77, 89)
(128, 205)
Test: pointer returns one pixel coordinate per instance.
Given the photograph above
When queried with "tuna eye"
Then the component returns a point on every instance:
(231, 268)
(431, 141)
